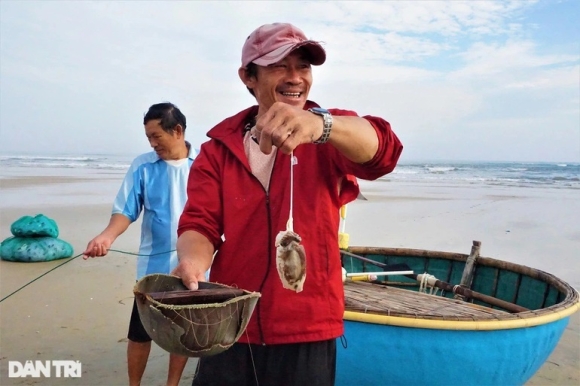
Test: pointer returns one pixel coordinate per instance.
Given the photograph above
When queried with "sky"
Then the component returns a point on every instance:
(457, 80)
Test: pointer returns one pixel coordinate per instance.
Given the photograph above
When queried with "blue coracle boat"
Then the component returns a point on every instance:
(497, 328)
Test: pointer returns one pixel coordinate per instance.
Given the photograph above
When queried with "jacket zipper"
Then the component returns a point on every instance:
(267, 268)
(269, 214)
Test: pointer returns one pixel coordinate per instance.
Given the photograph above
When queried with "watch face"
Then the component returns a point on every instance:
(319, 110)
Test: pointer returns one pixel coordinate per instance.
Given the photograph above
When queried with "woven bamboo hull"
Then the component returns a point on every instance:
(441, 341)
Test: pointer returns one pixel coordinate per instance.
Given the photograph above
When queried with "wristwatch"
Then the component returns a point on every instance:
(327, 119)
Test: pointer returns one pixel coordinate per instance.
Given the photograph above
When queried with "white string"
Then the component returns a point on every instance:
(252, 358)
(434, 291)
(424, 283)
(290, 223)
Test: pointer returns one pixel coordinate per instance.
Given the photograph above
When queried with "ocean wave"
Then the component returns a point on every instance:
(65, 161)
(68, 165)
(405, 171)
(112, 166)
(47, 158)
(574, 179)
(440, 169)
(548, 175)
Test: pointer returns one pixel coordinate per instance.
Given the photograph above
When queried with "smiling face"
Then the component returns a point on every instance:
(167, 145)
(287, 81)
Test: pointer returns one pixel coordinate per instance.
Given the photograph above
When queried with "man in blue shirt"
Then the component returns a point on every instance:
(156, 184)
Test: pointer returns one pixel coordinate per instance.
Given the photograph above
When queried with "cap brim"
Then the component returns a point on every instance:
(316, 53)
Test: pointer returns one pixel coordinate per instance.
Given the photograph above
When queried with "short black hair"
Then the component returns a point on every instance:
(169, 115)
(252, 71)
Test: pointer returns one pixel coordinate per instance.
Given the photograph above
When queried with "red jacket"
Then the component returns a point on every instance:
(225, 198)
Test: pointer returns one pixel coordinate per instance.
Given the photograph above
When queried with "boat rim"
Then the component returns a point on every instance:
(568, 306)
(479, 325)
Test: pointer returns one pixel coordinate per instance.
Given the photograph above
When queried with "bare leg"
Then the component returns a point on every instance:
(176, 365)
(137, 355)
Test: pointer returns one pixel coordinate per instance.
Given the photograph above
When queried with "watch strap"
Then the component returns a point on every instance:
(327, 124)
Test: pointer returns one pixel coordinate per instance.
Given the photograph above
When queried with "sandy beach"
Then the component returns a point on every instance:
(80, 310)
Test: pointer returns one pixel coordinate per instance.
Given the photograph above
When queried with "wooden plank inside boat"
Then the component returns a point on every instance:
(384, 300)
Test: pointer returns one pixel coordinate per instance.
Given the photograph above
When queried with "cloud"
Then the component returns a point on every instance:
(439, 71)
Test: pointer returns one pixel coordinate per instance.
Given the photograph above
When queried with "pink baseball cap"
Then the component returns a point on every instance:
(271, 43)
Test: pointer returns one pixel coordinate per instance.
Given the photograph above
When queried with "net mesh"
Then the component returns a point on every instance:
(34, 240)
(193, 330)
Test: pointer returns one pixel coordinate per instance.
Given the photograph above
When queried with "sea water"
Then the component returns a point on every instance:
(521, 174)
(524, 212)
(99, 162)
(61, 180)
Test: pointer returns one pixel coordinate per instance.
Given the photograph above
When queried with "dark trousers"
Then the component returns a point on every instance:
(299, 364)
(137, 332)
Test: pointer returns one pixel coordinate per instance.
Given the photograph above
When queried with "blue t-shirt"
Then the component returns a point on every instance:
(159, 188)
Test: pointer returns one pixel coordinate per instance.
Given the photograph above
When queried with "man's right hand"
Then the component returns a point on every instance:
(99, 246)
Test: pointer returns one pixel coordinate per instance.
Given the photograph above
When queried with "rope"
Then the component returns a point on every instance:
(290, 223)
(425, 280)
(422, 282)
(252, 358)
(343, 341)
(71, 259)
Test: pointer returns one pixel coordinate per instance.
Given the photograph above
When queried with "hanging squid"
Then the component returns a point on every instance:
(290, 255)
(290, 260)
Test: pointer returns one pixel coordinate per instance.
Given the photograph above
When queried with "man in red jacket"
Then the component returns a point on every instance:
(243, 189)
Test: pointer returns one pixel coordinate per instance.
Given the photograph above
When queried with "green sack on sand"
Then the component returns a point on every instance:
(37, 226)
(34, 249)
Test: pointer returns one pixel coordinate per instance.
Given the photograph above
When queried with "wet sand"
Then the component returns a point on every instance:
(80, 310)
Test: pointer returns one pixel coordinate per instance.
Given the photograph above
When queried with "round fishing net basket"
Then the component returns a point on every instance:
(206, 325)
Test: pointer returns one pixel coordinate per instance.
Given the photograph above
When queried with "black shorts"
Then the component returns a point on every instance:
(137, 332)
(299, 364)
